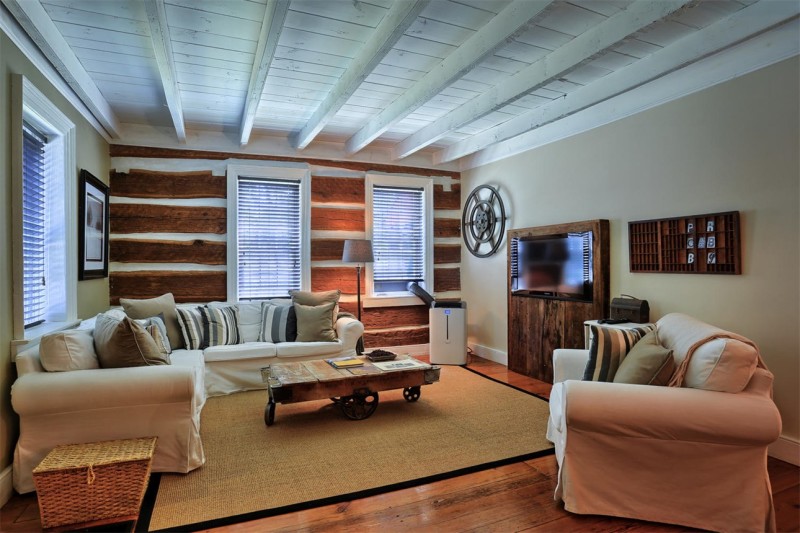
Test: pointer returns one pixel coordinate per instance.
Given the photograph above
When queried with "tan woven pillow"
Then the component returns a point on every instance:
(68, 350)
(318, 298)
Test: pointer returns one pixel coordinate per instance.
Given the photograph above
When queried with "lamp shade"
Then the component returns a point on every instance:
(357, 251)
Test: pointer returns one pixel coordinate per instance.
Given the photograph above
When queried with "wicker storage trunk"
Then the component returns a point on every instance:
(98, 482)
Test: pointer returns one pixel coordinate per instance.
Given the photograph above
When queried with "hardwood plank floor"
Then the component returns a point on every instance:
(515, 497)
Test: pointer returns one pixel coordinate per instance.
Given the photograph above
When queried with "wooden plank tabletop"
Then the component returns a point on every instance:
(320, 370)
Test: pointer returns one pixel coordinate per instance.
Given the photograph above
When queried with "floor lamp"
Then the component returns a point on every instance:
(358, 251)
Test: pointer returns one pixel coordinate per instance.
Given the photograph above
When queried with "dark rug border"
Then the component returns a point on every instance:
(148, 505)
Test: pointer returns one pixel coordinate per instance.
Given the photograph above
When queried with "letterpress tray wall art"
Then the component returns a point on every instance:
(699, 244)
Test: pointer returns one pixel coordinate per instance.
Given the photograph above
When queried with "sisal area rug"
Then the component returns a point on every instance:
(313, 455)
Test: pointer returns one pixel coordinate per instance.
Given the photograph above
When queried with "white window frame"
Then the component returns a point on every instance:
(275, 173)
(31, 105)
(388, 180)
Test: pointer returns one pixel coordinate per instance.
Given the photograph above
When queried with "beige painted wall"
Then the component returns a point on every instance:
(92, 152)
(731, 147)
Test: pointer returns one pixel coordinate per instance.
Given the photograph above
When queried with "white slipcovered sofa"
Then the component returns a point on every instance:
(165, 401)
(694, 455)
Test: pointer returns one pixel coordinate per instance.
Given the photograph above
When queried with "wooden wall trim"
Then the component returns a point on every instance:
(121, 150)
(150, 184)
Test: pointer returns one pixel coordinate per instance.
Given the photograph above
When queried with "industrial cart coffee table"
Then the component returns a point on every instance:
(354, 390)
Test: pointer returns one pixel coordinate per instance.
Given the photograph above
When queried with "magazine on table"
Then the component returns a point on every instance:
(402, 364)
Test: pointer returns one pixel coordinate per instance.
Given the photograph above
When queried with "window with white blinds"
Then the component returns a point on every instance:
(34, 226)
(269, 227)
(398, 237)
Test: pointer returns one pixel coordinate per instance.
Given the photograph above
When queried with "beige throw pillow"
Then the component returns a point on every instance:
(68, 350)
(314, 323)
(648, 363)
(318, 298)
(121, 343)
(164, 304)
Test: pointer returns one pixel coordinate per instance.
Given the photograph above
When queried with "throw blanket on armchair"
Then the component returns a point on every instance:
(679, 376)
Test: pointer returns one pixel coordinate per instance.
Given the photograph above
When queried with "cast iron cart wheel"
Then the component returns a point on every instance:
(359, 406)
(411, 394)
(269, 413)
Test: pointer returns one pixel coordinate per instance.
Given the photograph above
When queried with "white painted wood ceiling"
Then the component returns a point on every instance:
(447, 78)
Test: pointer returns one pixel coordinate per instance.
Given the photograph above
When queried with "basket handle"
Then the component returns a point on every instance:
(90, 475)
(629, 296)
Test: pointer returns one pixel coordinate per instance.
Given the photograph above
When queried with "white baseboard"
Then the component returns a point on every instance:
(408, 349)
(491, 354)
(6, 487)
(786, 449)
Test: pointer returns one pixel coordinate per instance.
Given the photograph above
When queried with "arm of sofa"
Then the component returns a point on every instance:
(670, 413)
(569, 364)
(62, 392)
(349, 330)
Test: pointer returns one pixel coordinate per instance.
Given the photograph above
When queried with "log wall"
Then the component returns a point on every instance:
(168, 234)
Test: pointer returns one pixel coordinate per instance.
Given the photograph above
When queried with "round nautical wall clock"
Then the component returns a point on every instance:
(483, 221)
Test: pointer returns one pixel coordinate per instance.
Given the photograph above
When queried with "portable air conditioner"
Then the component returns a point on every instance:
(448, 333)
(447, 324)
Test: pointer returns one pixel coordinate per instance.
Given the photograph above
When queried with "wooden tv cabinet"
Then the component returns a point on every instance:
(538, 325)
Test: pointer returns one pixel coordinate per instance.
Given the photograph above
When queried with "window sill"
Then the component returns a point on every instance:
(391, 301)
(34, 334)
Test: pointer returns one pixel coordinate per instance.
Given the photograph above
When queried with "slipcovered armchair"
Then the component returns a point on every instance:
(683, 455)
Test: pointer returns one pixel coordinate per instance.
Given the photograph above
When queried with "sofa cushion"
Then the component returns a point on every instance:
(608, 349)
(123, 343)
(301, 349)
(68, 350)
(314, 322)
(220, 325)
(249, 350)
(648, 363)
(278, 323)
(153, 307)
(723, 365)
(193, 358)
(191, 322)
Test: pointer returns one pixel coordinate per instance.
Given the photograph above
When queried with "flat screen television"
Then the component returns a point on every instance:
(553, 266)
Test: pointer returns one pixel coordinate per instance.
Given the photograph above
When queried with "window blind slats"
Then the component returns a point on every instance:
(34, 300)
(398, 236)
(269, 238)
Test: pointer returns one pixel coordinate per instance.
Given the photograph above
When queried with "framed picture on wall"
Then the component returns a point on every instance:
(92, 227)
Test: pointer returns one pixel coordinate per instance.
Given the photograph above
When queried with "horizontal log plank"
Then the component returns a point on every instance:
(327, 249)
(447, 199)
(152, 184)
(388, 317)
(398, 337)
(121, 150)
(446, 279)
(140, 218)
(141, 251)
(323, 218)
(191, 286)
(446, 253)
(332, 278)
(446, 227)
(337, 190)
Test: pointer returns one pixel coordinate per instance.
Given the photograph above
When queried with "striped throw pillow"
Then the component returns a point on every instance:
(220, 325)
(608, 350)
(191, 323)
(278, 323)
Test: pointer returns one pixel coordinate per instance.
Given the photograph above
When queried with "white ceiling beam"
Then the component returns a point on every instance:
(481, 44)
(740, 26)
(271, 27)
(42, 30)
(391, 28)
(162, 49)
(614, 29)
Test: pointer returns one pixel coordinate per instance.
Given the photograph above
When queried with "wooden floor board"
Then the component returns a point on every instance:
(514, 497)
